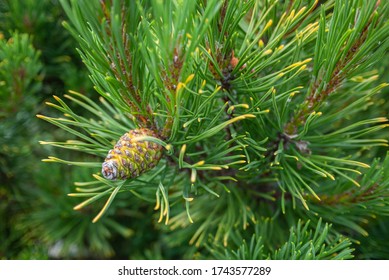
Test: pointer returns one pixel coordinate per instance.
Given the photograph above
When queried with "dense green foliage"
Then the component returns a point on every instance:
(271, 115)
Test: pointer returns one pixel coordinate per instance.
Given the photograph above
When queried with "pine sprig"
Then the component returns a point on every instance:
(343, 204)
(349, 39)
(303, 244)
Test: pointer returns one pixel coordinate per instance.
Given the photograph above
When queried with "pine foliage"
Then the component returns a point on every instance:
(264, 111)
(303, 244)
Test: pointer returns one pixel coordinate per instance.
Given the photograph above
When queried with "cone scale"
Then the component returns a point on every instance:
(129, 158)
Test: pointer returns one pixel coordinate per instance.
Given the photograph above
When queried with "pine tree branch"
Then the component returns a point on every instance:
(320, 89)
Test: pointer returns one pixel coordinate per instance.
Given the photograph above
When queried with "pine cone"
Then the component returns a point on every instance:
(129, 159)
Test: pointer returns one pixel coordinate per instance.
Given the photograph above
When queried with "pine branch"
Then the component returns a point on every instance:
(329, 75)
(303, 244)
(228, 106)
(357, 205)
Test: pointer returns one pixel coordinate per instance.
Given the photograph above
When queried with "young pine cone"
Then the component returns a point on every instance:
(129, 159)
